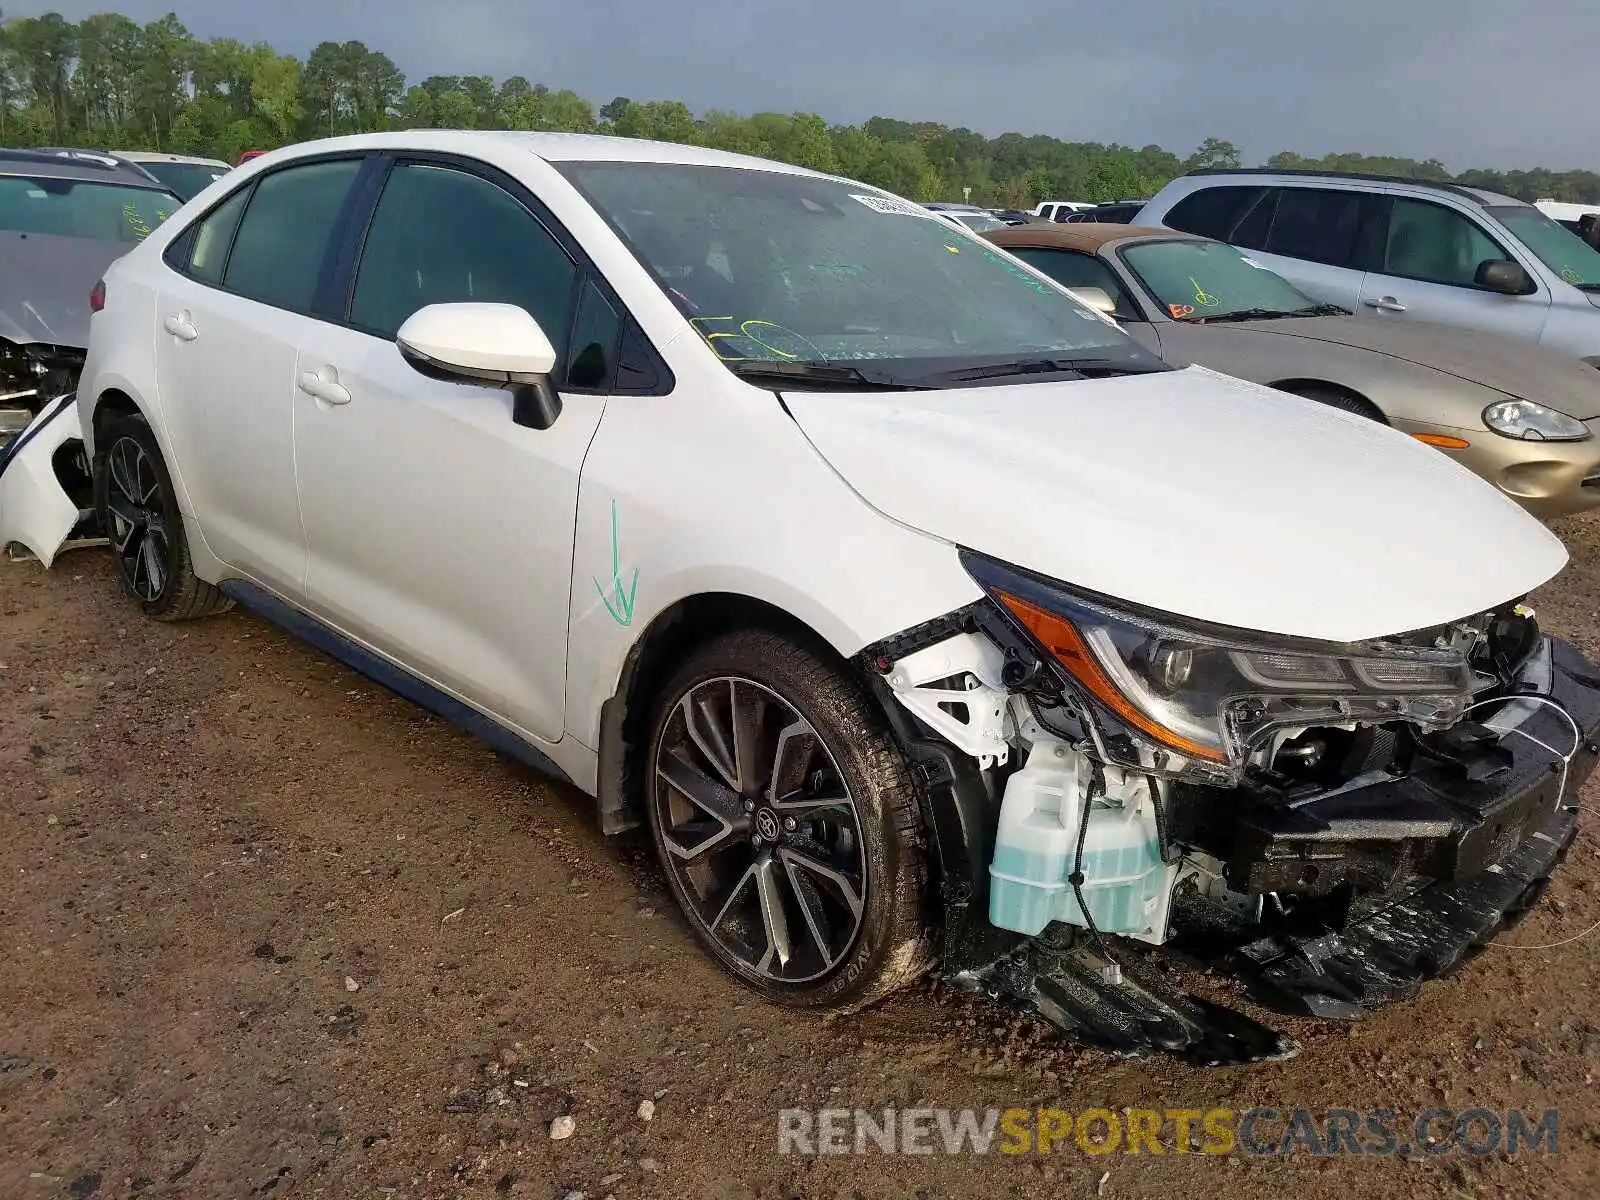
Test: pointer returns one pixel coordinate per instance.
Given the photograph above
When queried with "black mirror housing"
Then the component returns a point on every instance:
(1504, 276)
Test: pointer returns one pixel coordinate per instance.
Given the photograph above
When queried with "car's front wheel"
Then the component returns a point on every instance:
(138, 509)
(785, 819)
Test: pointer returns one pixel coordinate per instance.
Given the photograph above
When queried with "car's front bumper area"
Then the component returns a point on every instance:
(1549, 479)
(1491, 847)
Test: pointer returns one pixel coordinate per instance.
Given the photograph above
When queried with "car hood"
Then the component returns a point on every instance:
(45, 282)
(1192, 493)
(1519, 369)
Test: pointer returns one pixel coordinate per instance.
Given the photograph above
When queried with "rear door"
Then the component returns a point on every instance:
(1313, 237)
(1424, 267)
(230, 317)
(439, 531)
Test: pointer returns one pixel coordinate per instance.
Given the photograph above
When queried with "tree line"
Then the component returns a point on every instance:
(110, 83)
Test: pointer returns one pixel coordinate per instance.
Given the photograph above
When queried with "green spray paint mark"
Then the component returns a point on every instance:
(618, 603)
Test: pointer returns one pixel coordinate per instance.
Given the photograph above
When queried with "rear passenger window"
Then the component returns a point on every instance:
(278, 253)
(1212, 212)
(1316, 225)
(214, 235)
(1436, 244)
(441, 235)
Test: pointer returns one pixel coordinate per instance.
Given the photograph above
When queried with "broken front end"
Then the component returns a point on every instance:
(1336, 823)
(31, 375)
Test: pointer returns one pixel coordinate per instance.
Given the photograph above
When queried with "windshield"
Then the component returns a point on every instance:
(187, 179)
(770, 267)
(1198, 281)
(1563, 251)
(82, 208)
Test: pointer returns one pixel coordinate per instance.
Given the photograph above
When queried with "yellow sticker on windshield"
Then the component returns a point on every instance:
(1202, 297)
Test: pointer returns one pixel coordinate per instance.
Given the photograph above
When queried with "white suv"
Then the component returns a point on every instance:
(1402, 249)
(911, 604)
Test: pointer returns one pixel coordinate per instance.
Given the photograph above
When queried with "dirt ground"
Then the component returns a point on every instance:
(269, 930)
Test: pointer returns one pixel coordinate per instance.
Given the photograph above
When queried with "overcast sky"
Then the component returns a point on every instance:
(1472, 82)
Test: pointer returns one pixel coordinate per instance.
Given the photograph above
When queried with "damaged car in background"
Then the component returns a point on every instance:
(920, 614)
(64, 216)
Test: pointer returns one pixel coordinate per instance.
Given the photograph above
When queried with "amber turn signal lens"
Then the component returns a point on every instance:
(1061, 638)
(1442, 440)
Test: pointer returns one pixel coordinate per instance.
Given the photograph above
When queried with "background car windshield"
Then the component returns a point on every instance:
(83, 209)
(187, 179)
(776, 267)
(1196, 280)
(1563, 251)
(978, 222)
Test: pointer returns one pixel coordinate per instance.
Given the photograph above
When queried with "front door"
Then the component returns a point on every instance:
(439, 531)
(1431, 254)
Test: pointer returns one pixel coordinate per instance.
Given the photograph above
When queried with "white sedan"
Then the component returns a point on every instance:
(911, 604)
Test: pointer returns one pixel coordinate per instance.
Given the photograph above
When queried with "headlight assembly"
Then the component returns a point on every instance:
(1533, 422)
(1181, 698)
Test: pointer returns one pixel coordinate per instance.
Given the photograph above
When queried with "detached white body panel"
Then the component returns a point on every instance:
(34, 510)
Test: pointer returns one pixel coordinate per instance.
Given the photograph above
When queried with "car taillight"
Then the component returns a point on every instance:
(97, 296)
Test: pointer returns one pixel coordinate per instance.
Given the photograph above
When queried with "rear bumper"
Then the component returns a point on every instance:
(1490, 861)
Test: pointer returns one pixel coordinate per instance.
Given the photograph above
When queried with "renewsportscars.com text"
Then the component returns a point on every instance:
(1377, 1133)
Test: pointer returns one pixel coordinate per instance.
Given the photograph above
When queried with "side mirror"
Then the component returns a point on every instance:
(1503, 276)
(497, 344)
(1096, 298)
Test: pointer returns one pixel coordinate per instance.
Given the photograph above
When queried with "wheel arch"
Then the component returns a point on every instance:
(671, 633)
(1315, 389)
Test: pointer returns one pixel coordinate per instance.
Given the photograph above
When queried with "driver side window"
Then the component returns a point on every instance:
(1072, 269)
(1435, 244)
(441, 235)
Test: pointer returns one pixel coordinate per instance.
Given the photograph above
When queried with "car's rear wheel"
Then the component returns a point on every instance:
(138, 510)
(786, 822)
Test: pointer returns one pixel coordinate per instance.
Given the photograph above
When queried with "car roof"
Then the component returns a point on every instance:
(76, 164)
(1477, 195)
(1089, 237)
(552, 147)
(144, 156)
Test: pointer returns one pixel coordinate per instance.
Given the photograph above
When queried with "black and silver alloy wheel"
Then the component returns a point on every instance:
(137, 507)
(137, 523)
(785, 818)
(760, 830)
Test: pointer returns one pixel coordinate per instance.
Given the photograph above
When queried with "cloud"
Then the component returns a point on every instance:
(1472, 82)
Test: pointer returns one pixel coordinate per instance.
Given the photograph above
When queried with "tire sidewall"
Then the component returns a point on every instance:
(893, 886)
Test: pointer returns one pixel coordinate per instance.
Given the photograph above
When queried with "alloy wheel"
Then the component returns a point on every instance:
(137, 516)
(759, 830)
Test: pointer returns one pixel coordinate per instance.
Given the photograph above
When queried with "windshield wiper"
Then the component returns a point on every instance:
(1256, 314)
(800, 374)
(1322, 310)
(1083, 368)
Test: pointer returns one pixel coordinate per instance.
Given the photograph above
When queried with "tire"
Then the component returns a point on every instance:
(138, 509)
(824, 829)
(1344, 400)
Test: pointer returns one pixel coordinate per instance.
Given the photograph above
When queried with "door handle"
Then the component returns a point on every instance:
(180, 327)
(1385, 304)
(329, 391)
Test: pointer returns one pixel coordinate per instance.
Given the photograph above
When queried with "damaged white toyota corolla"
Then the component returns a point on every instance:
(920, 614)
